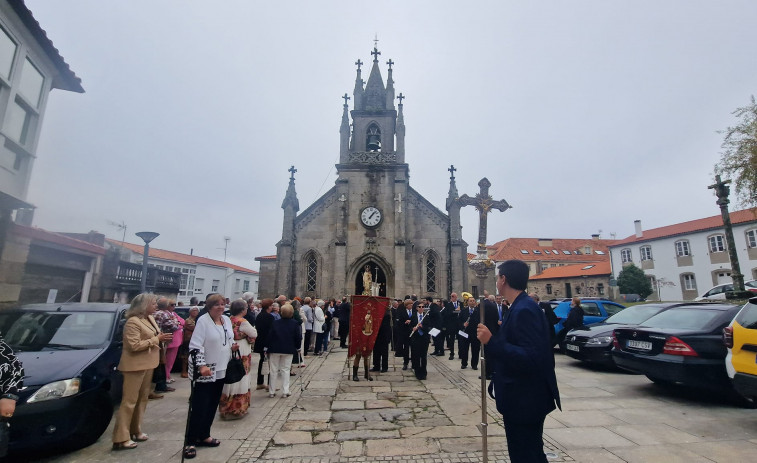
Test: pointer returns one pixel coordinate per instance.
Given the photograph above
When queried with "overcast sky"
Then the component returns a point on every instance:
(584, 115)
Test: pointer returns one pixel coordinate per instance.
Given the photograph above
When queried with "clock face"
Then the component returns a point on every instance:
(370, 216)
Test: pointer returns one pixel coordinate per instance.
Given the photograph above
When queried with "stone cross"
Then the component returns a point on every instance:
(359, 63)
(484, 204)
(346, 97)
(292, 170)
(400, 97)
(390, 63)
(375, 54)
(451, 172)
(722, 190)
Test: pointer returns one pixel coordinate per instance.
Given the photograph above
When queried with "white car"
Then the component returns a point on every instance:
(718, 292)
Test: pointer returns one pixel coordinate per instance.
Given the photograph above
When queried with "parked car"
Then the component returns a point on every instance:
(595, 310)
(70, 354)
(741, 361)
(593, 342)
(680, 345)
(718, 292)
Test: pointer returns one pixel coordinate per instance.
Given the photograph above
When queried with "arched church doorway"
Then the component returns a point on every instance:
(377, 276)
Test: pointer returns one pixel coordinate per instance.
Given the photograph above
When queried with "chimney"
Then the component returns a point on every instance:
(595, 236)
(637, 226)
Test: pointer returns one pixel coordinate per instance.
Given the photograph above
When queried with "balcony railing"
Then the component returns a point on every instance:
(131, 274)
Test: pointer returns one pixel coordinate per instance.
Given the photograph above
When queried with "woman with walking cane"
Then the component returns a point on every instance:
(213, 338)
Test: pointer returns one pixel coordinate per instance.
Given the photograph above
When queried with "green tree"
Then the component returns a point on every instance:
(632, 280)
(738, 161)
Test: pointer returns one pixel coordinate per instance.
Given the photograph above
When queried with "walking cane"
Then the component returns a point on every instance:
(483, 425)
(193, 354)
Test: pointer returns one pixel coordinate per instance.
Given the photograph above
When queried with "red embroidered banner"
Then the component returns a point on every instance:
(365, 321)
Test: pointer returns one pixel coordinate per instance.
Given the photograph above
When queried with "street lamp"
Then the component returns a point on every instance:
(146, 237)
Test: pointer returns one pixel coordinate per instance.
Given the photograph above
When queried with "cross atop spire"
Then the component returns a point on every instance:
(293, 171)
(358, 63)
(451, 172)
(345, 97)
(390, 63)
(400, 97)
(375, 54)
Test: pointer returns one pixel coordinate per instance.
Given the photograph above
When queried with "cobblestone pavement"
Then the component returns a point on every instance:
(393, 418)
(607, 417)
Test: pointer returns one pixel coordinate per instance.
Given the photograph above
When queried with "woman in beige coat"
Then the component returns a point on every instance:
(139, 357)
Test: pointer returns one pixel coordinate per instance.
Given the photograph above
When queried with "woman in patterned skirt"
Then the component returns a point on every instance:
(235, 399)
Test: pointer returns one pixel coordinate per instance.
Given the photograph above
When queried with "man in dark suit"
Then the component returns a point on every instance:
(344, 322)
(491, 321)
(420, 339)
(468, 321)
(381, 347)
(404, 318)
(449, 315)
(434, 320)
(525, 386)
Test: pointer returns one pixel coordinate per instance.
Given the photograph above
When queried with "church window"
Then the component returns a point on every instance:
(312, 272)
(430, 273)
(373, 138)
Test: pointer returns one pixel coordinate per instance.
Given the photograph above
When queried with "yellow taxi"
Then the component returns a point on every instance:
(741, 339)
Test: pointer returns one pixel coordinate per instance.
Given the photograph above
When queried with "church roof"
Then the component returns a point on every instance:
(551, 249)
(575, 270)
(180, 257)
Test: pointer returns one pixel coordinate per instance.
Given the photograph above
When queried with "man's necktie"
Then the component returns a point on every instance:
(420, 319)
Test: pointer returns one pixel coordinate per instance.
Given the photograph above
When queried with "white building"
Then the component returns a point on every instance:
(199, 275)
(686, 259)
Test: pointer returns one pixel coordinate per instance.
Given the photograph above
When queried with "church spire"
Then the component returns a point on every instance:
(452, 195)
(357, 93)
(290, 198)
(389, 86)
(344, 129)
(290, 205)
(400, 130)
(375, 93)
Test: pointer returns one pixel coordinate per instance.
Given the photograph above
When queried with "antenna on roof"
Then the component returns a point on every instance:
(225, 246)
(120, 226)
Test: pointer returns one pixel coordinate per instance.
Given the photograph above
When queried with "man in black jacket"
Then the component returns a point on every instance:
(434, 320)
(404, 318)
(344, 321)
(468, 321)
(381, 347)
(449, 316)
(419, 340)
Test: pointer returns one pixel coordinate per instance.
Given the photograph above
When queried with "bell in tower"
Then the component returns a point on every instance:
(373, 138)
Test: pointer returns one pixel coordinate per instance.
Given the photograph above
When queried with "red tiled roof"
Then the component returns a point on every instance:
(273, 257)
(57, 238)
(511, 249)
(179, 257)
(716, 221)
(471, 256)
(575, 270)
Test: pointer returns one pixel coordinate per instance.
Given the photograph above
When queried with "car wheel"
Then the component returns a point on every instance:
(660, 381)
(93, 423)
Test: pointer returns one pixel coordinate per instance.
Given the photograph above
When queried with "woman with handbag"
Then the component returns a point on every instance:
(139, 357)
(213, 341)
(235, 399)
(284, 339)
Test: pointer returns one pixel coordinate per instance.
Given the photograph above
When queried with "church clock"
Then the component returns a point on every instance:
(371, 216)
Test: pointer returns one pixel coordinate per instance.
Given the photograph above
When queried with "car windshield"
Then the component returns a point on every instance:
(35, 331)
(683, 318)
(634, 315)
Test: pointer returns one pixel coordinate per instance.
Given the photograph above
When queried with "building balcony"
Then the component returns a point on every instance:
(129, 276)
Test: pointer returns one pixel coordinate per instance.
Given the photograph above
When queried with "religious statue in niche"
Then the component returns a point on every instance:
(367, 281)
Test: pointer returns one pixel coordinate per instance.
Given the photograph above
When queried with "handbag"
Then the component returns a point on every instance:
(234, 369)
(265, 366)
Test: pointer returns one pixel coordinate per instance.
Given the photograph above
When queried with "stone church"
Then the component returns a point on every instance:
(370, 217)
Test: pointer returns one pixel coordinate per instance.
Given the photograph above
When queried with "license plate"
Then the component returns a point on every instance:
(572, 347)
(643, 345)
